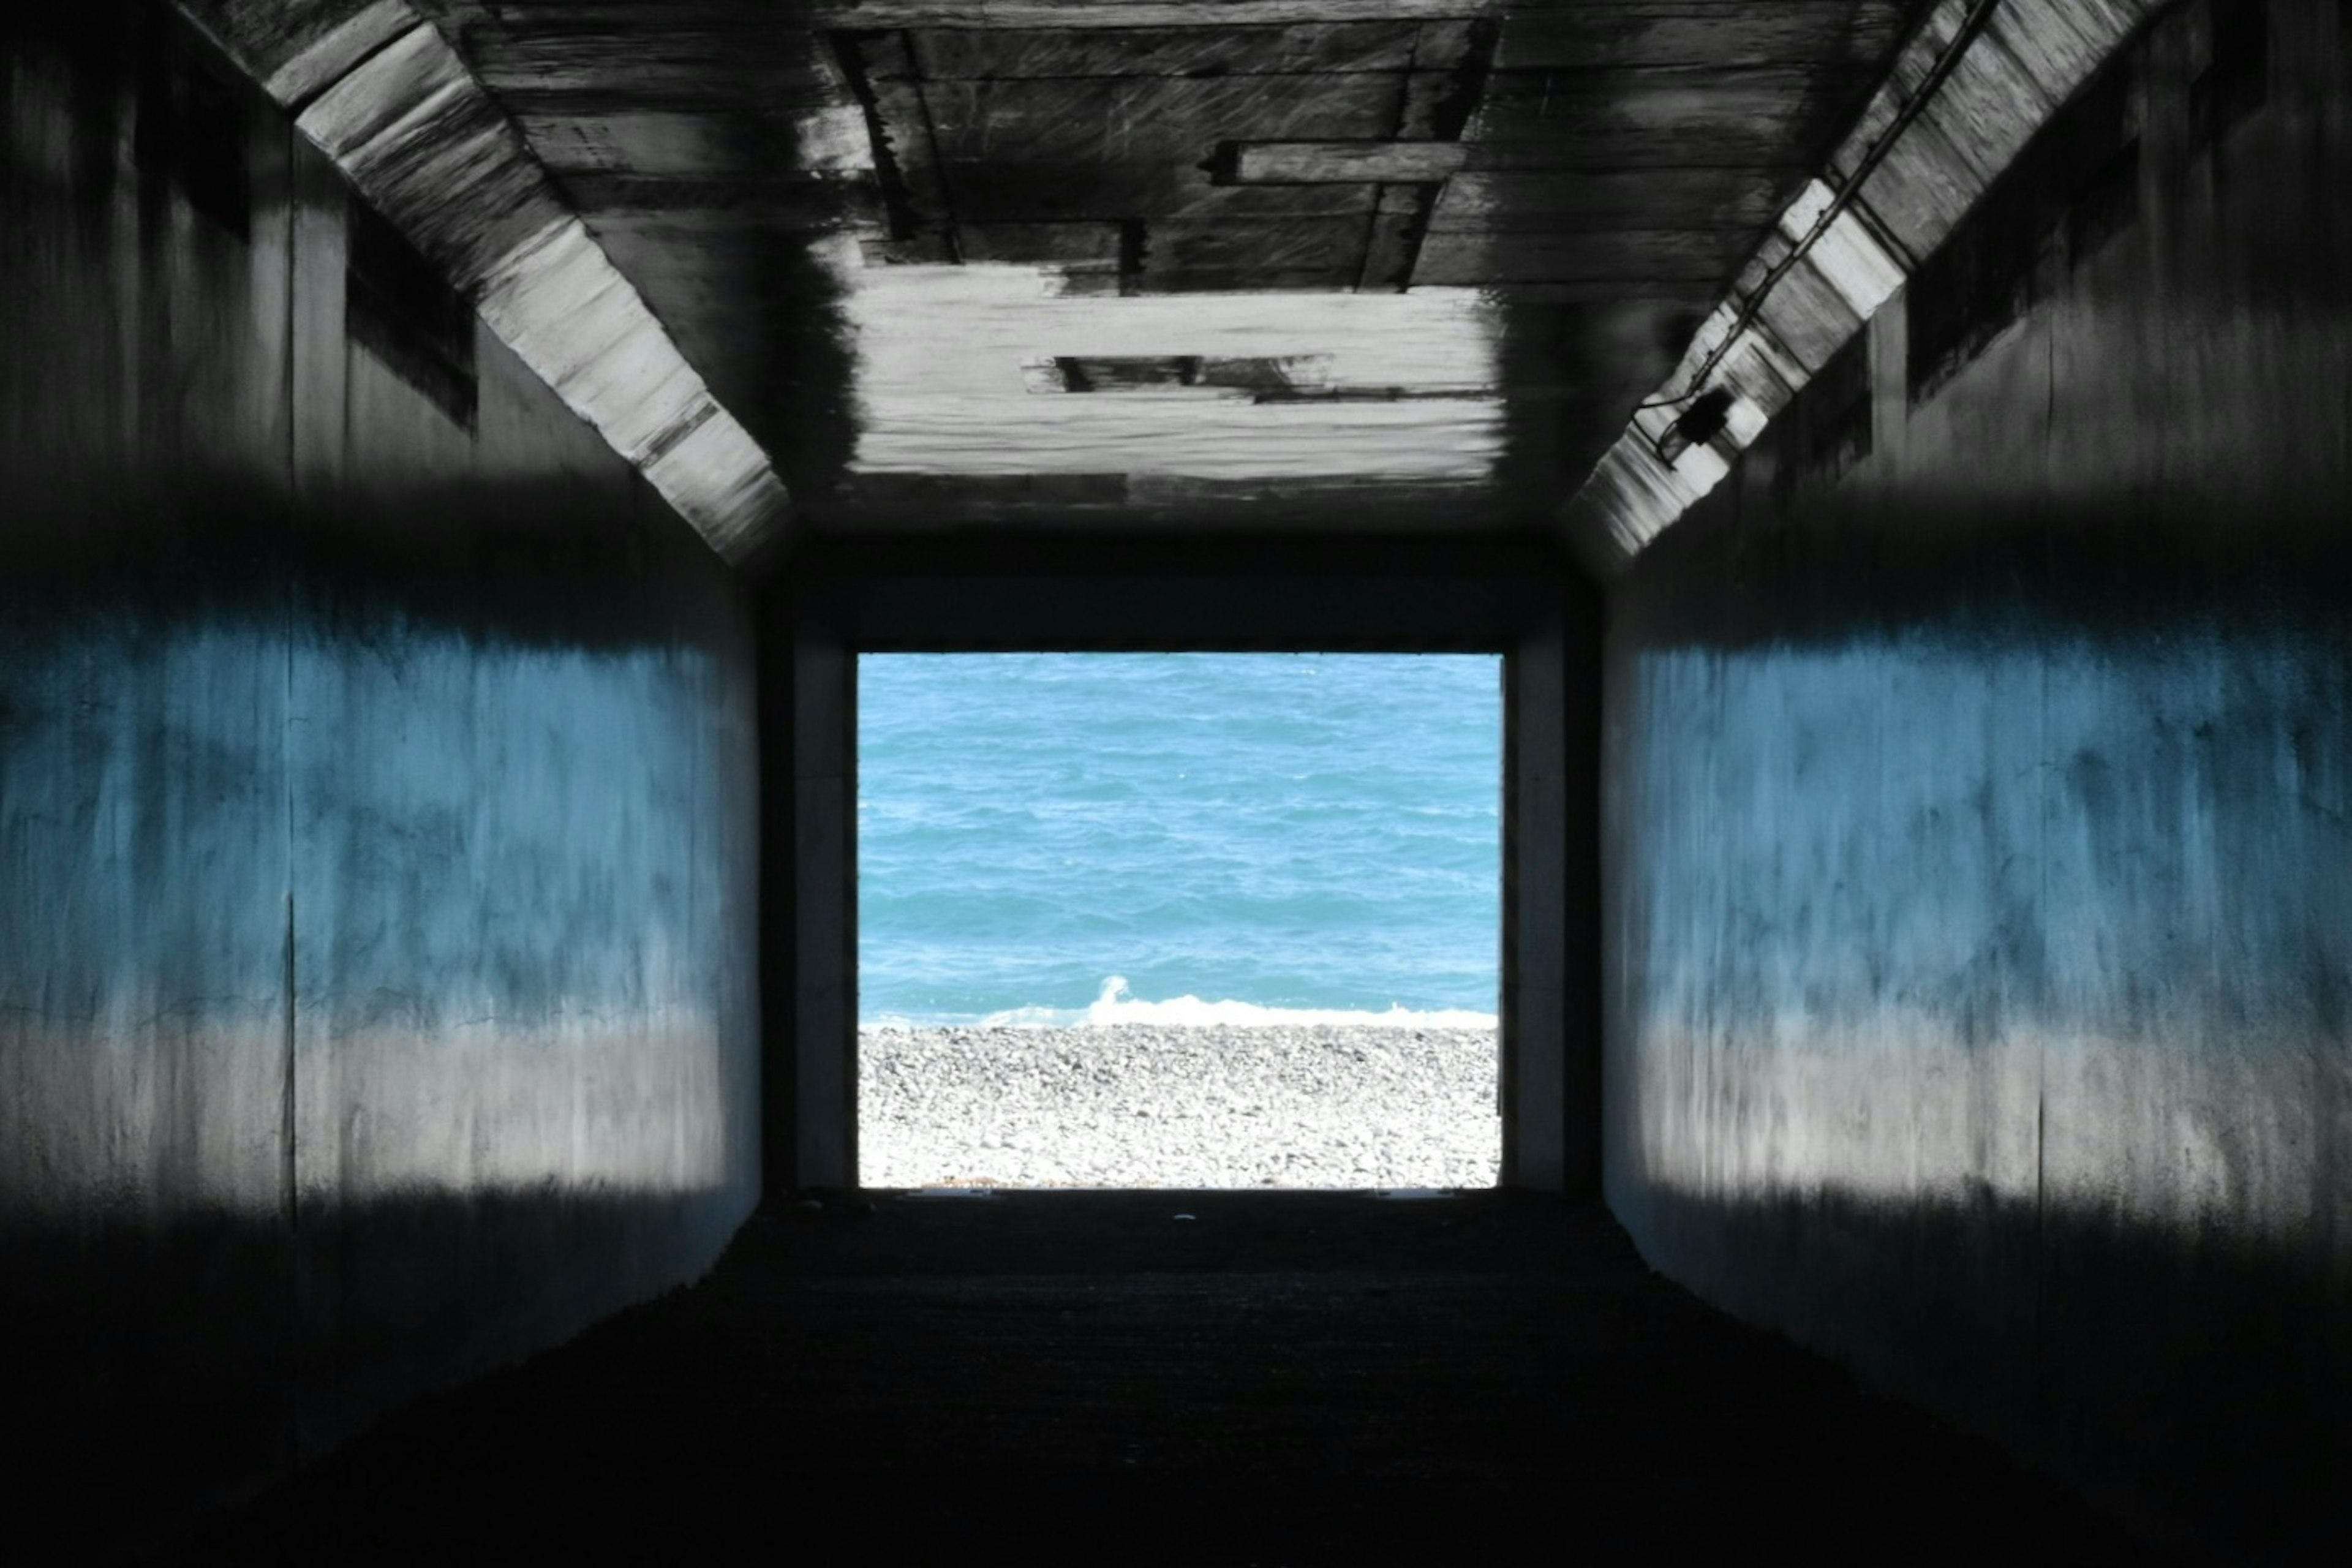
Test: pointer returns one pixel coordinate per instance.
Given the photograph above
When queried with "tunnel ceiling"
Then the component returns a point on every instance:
(1339, 261)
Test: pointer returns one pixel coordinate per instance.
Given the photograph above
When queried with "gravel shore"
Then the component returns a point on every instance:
(1153, 1106)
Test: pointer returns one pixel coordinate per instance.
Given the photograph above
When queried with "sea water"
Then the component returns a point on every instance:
(1191, 838)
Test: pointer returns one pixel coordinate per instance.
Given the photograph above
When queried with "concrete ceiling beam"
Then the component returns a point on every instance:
(377, 89)
(1972, 87)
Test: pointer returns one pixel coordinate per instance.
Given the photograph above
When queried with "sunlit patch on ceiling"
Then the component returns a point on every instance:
(951, 361)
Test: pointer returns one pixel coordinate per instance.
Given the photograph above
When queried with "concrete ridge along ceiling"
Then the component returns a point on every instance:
(1313, 263)
(378, 89)
(1973, 84)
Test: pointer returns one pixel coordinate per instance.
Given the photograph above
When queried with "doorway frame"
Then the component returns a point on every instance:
(1520, 600)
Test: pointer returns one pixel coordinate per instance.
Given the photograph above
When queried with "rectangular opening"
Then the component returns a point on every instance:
(1179, 920)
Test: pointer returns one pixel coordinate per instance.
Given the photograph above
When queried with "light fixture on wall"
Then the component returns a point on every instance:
(1695, 426)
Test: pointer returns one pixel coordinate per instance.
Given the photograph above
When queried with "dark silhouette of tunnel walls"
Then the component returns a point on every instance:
(378, 815)
(1978, 823)
(425, 872)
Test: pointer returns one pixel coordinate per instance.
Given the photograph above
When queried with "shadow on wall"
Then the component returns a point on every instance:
(373, 999)
(1980, 1003)
(2190, 1364)
(377, 822)
(187, 1361)
(1979, 831)
(1982, 1015)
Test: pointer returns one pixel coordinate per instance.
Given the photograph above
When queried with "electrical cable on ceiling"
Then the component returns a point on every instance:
(1945, 62)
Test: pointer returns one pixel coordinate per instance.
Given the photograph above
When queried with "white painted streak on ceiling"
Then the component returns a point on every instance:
(941, 388)
(862, 13)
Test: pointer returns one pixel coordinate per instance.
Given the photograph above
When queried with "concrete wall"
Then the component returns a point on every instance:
(1978, 822)
(378, 821)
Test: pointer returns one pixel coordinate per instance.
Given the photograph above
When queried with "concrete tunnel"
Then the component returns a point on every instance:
(456, 450)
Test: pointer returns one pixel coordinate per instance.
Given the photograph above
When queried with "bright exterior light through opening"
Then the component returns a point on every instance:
(1178, 921)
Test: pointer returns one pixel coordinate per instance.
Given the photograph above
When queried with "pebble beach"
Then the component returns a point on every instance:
(1149, 1105)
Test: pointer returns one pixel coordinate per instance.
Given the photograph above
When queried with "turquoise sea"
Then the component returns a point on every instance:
(1063, 838)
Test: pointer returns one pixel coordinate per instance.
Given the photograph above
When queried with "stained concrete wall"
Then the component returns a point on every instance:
(1978, 823)
(378, 821)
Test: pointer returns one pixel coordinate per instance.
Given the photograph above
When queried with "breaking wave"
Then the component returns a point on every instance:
(1117, 1004)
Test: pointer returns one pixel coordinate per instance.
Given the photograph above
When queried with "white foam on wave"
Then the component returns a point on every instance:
(1117, 1004)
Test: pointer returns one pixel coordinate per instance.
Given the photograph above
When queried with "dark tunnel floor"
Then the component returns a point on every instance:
(1083, 1377)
